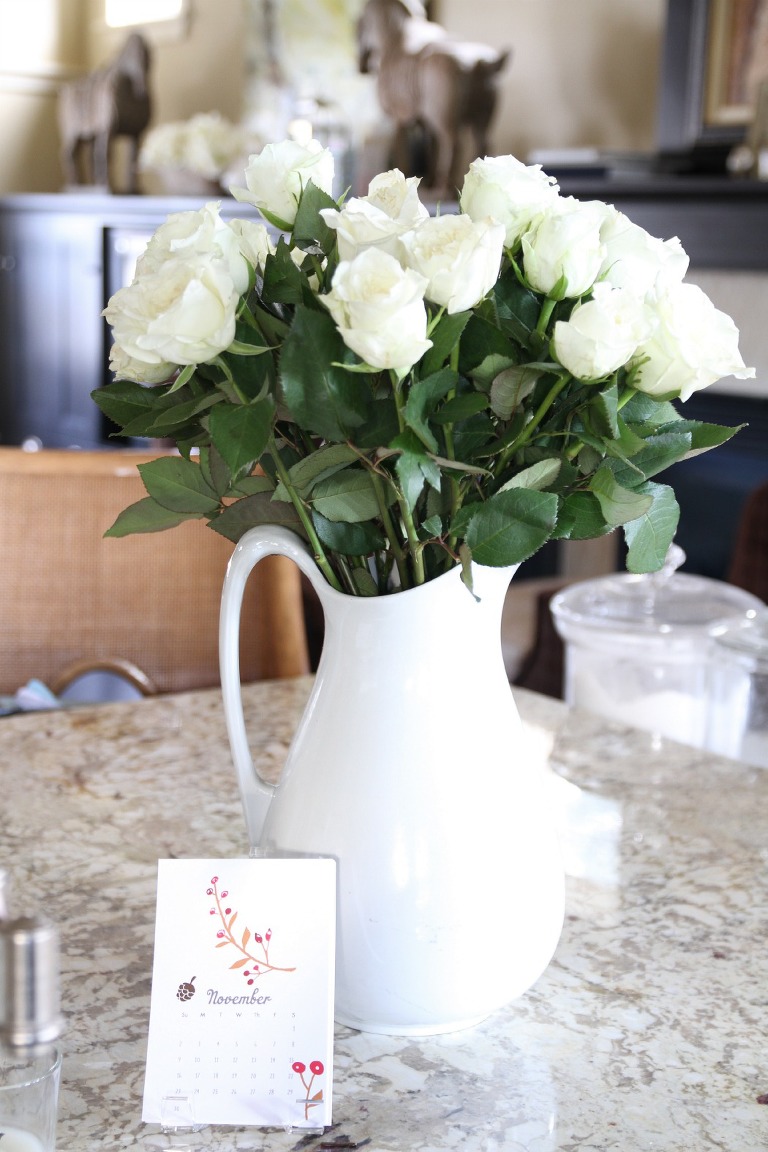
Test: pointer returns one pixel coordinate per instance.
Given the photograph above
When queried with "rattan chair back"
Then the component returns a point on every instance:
(146, 605)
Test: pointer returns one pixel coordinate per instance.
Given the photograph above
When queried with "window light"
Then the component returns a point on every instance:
(123, 13)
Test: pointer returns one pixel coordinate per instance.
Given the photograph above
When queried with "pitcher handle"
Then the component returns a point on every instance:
(253, 546)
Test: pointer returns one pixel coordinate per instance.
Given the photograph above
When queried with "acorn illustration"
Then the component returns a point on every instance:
(186, 991)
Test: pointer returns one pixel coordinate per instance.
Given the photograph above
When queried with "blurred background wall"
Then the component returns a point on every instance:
(583, 74)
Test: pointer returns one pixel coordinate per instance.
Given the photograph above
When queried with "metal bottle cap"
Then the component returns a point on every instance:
(29, 982)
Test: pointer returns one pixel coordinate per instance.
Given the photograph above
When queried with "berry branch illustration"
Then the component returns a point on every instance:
(316, 1068)
(259, 964)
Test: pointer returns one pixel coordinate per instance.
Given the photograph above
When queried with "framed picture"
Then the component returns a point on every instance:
(715, 55)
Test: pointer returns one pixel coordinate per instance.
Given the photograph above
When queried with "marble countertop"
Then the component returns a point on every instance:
(646, 1032)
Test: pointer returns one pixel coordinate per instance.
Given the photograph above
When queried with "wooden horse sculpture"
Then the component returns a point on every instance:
(94, 109)
(426, 76)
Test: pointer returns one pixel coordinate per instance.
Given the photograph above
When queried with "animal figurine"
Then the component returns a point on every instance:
(94, 109)
(424, 76)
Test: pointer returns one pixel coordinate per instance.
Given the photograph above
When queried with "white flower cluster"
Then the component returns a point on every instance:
(181, 306)
(638, 308)
(206, 144)
(631, 305)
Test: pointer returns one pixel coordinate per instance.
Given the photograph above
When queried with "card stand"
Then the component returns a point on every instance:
(177, 1115)
(178, 1125)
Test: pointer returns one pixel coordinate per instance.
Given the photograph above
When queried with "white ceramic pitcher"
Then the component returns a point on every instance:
(409, 768)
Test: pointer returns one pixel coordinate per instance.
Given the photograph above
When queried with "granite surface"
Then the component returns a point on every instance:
(646, 1032)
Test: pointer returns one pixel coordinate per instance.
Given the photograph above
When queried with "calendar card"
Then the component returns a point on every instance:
(241, 1017)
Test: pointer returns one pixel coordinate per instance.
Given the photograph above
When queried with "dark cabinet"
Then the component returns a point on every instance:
(61, 257)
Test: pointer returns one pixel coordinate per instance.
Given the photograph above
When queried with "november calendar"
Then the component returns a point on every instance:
(241, 1016)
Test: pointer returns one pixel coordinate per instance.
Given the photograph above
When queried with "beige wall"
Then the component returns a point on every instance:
(584, 72)
(41, 43)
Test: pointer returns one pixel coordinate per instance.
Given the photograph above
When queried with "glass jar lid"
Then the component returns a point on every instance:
(657, 603)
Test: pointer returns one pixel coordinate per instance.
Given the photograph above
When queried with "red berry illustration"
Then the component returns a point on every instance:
(317, 1067)
(299, 1067)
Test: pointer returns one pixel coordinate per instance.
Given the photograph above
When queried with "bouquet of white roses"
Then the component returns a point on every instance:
(409, 392)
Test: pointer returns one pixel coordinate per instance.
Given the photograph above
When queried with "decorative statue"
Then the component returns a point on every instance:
(426, 76)
(94, 109)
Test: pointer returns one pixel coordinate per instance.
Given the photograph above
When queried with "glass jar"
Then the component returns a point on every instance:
(637, 647)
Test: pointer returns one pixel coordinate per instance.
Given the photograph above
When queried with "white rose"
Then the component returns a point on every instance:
(693, 344)
(277, 176)
(510, 192)
(124, 367)
(634, 259)
(459, 258)
(254, 242)
(391, 208)
(182, 314)
(195, 233)
(379, 310)
(602, 334)
(564, 246)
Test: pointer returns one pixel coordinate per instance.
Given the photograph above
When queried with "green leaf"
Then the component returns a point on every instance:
(284, 282)
(241, 432)
(444, 336)
(179, 485)
(643, 409)
(658, 453)
(705, 436)
(618, 504)
(320, 464)
(270, 217)
(349, 539)
(421, 402)
(171, 414)
(511, 387)
(581, 518)
(381, 425)
(459, 408)
(243, 348)
(322, 398)
(650, 536)
(414, 468)
(252, 485)
(511, 526)
(217, 475)
(309, 226)
(183, 378)
(148, 516)
(472, 436)
(485, 350)
(364, 582)
(347, 496)
(538, 476)
(125, 401)
(603, 413)
(518, 307)
(253, 510)
(629, 443)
